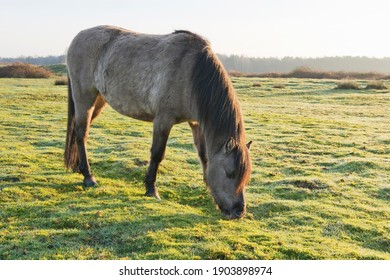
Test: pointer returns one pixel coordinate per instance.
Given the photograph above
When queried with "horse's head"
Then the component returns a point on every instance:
(227, 174)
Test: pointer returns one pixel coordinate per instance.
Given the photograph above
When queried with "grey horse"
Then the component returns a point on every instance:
(164, 79)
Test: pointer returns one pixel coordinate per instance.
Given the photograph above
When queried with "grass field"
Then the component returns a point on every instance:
(320, 186)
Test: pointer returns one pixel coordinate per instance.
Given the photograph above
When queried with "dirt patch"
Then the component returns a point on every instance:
(309, 184)
(139, 162)
(9, 179)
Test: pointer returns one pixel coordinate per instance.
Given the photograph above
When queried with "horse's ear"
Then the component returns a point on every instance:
(249, 144)
(230, 145)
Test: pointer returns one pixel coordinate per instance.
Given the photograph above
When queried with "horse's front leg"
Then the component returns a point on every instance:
(200, 144)
(161, 132)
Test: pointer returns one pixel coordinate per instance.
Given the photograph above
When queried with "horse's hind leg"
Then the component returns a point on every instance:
(161, 132)
(98, 107)
(87, 108)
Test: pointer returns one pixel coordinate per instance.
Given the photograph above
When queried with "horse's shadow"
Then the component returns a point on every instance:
(106, 237)
(112, 169)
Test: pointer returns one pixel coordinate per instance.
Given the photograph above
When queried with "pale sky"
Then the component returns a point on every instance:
(263, 28)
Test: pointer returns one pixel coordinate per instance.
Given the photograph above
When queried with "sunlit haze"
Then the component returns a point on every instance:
(265, 28)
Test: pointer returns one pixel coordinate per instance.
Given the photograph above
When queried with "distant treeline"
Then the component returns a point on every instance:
(308, 73)
(37, 60)
(287, 64)
(245, 64)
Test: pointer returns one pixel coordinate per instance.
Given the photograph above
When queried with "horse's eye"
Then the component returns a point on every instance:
(230, 175)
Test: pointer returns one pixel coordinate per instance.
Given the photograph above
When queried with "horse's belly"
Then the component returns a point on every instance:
(129, 107)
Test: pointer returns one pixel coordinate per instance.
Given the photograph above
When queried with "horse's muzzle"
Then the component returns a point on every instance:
(236, 212)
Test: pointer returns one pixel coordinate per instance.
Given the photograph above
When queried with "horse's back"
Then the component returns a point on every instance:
(139, 75)
(88, 45)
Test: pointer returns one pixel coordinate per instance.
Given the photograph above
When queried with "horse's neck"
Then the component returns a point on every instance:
(216, 137)
(214, 142)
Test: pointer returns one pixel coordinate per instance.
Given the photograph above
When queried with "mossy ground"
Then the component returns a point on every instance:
(320, 186)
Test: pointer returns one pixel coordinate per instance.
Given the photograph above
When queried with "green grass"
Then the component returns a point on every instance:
(319, 187)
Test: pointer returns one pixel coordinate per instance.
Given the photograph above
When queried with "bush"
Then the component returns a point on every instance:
(24, 70)
(347, 85)
(61, 82)
(308, 73)
(57, 69)
(237, 74)
(376, 85)
(279, 86)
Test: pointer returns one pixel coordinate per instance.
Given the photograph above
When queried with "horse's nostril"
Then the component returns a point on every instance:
(239, 213)
(239, 210)
(236, 213)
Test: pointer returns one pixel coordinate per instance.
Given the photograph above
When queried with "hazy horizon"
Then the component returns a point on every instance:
(232, 54)
(277, 29)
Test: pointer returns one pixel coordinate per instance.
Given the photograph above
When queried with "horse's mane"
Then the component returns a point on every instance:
(219, 113)
(218, 109)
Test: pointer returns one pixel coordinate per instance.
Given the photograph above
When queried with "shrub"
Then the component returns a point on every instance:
(303, 72)
(57, 69)
(235, 73)
(376, 85)
(256, 85)
(279, 86)
(347, 85)
(61, 82)
(308, 73)
(24, 70)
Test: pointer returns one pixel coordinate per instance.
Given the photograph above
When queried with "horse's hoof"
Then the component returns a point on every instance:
(153, 193)
(90, 182)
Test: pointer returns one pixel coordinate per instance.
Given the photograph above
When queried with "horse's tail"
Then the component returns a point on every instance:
(71, 157)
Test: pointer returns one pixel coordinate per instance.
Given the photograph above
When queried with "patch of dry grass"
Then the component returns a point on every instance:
(24, 70)
(348, 85)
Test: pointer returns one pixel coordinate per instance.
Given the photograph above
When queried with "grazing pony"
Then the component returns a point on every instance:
(164, 79)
